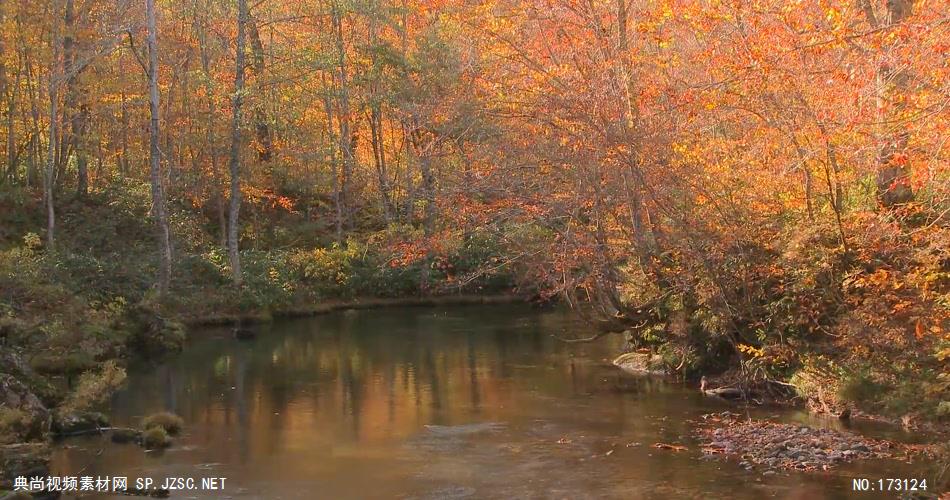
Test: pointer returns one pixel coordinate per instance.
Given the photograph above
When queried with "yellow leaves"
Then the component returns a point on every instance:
(666, 11)
(751, 350)
(834, 17)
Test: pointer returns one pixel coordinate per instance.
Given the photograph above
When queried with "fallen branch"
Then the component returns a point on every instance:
(594, 337)
(672, 447)
(582, 340)
(97, 430)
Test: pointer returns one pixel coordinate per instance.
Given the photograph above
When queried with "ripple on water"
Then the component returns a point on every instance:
(450, 438)
(465, 429)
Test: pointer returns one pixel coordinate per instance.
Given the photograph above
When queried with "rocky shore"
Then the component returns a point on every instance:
(775, 446)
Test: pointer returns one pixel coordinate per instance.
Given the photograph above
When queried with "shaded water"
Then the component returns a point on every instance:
(465, 402)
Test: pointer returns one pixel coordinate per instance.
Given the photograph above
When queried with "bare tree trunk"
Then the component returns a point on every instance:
(222, 218)
(346, 138)
(379, 158)
(77, 112)
(234, 164)
(6, 92)
(376, 127)
(124, 161)
(644, 240)
(265, 146)
(410, 186)
(11, 95)
(424, 152)
(210, 137)
(32, 85)
(332, 142)
(155, 174)
(12, 156)
(893, 179)
(49, 172)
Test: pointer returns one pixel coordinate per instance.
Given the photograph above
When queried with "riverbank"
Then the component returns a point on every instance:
(355, 304)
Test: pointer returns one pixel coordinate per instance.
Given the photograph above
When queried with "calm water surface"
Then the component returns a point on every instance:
(463, 402)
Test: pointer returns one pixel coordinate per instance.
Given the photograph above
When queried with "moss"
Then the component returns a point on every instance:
(168, 422)
(156, 438)
(13, 423)
(62, 364)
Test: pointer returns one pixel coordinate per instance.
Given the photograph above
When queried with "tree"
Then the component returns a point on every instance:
(155, 156)
(56, 72)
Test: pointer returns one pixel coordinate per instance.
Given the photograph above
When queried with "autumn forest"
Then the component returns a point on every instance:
(756, 190)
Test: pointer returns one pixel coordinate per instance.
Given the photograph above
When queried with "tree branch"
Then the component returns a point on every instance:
(135, 52)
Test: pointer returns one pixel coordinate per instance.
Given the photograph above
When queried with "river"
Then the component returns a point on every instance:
(423, 403)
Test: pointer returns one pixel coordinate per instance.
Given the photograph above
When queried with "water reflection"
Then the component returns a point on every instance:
(473, 402)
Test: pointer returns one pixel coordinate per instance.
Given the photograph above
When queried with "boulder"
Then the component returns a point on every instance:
(24, 459)
(241, 333)
(79, 423)
(25, 414)
(640, 363)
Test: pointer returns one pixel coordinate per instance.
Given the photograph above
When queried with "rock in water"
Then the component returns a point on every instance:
(244, 333)
(79, 423)
(640, 363)
(122, 436)
(722, 392)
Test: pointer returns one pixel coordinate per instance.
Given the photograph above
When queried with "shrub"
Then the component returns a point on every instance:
(94, 388)
(167, 421)
(156, 438)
